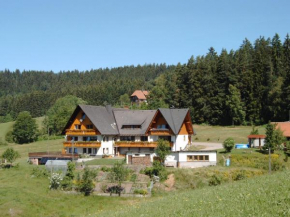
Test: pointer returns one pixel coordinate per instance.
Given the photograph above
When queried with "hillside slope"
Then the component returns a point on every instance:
(263, 196)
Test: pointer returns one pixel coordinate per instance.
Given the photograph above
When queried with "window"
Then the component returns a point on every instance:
(69, 150)
(197, 157)
(162, 126)
(84, 150)
(105, 139)
(77, 126)
(144, 138)
(83, 116)
(86, 138)
(131, 126)
(127, 138)
(75, 138)
(93, 138)
(75, 150)
(90, 126)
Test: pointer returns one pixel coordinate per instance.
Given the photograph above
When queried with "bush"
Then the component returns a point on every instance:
(228, 144)
(141, 191)
(156, 170)
(239, 175)
(86, 184)
(66, 183)
(55, 181)
(106, 169)
(9, 137)
(38, 172)
(215, 180)
(116, 189)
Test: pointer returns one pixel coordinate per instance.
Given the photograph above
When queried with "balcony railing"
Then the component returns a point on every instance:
(140, 144)
(160, 132)
(83, 144)
(88, 132)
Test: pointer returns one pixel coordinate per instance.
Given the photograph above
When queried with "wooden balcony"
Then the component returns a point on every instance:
(160, 132)
(82, 144)
(141, 144)
(89, 132)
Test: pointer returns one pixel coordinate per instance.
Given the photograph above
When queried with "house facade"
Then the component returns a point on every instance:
(97, 130)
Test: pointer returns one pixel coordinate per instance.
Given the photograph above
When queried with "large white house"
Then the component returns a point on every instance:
(98, 131)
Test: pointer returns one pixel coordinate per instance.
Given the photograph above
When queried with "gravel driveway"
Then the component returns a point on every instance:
(209, 145)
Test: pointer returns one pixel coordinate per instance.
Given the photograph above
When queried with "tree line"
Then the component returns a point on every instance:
(37, 91)
(250, 85)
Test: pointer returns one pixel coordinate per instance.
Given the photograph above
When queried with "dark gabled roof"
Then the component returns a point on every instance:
(133, 117)
(102, 118)
(174, 118)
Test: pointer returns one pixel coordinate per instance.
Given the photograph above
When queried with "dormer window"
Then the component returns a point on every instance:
(131, 127)
(162, 126)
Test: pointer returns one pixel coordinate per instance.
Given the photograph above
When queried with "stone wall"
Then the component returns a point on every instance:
(141, 161)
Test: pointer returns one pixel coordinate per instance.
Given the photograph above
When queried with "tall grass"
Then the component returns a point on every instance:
(266, 195)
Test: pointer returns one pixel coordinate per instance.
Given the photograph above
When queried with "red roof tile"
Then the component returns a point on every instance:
(256, 136)
(284, 127)
(140, 94)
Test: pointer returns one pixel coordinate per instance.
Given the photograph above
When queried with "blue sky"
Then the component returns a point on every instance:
(66, 35)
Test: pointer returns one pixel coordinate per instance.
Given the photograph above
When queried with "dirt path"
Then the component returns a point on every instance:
(209, 145)
(169, 183)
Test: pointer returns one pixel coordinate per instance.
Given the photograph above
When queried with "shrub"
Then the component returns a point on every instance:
(38, 172)
(228, 144)
(66, 183)
(10, 155)
(133, 178)
(239, 175)
(215, 180)
(156, 170)
(86, 184)
(55, 181)
(9, 137)
(106, 169)
(116, 189)
(141, 191)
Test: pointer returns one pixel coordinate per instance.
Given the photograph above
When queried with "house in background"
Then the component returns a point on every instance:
(139, 96)
(284, 127)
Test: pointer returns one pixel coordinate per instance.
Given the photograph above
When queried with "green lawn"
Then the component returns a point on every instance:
(205, 133)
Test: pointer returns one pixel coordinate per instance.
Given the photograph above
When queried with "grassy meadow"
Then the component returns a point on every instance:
(206, 133)
(21, 194)
(266, 195)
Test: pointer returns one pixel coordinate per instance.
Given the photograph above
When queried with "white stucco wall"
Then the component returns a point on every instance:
(180, 158)
(255, 143)
(180, 142)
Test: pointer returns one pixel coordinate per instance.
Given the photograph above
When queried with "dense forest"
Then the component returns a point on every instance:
(245, 86)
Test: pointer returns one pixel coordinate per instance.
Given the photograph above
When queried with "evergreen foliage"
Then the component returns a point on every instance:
(247, 85)
(25, 129)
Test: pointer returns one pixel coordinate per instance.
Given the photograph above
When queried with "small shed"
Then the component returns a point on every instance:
(256, 141)
(56, 166)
